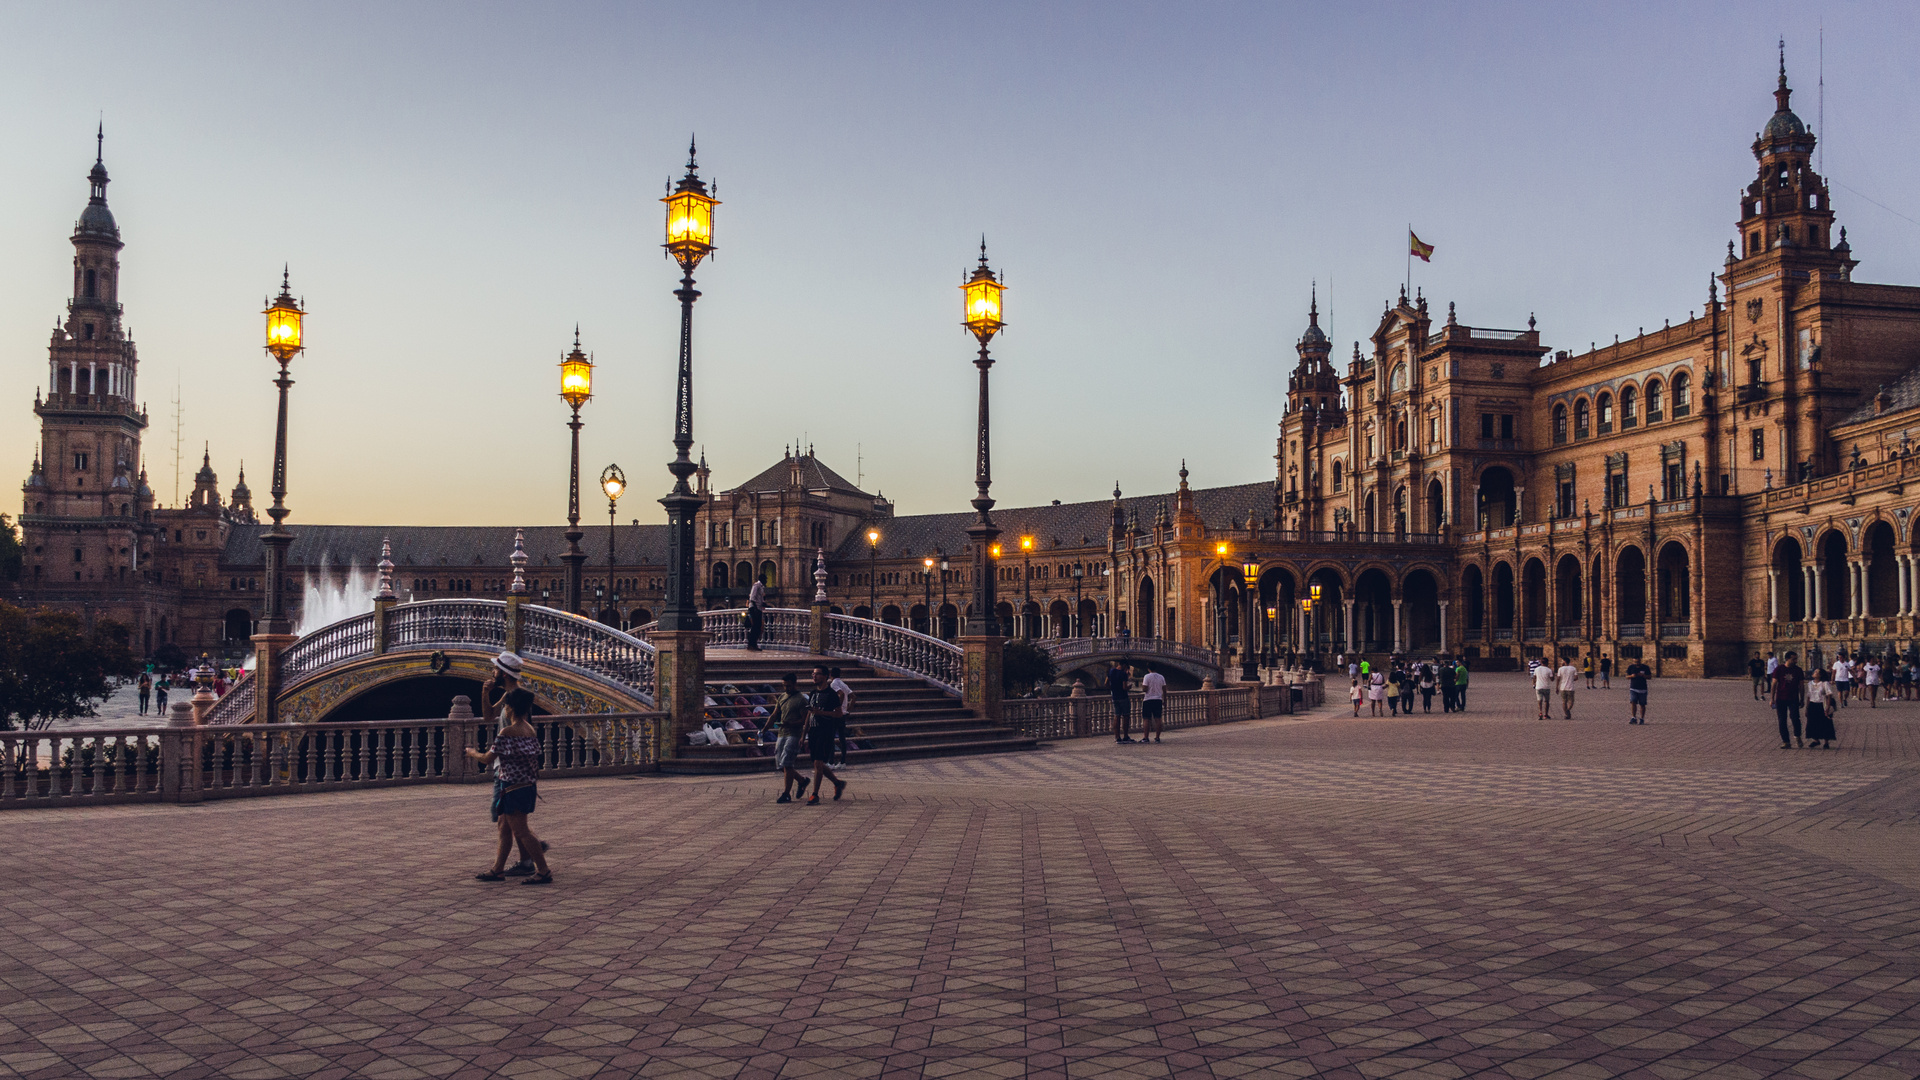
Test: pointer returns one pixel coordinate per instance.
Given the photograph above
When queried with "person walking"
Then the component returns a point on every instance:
(1427, 682)
(160, 695)
(1606, 672)
(1153, 701)
(515, 760)
(1460, 685)
(1842, 679)
(1406, 691)
(1376, 690)
(1637, 674)
(1122, 705)
(1757, 671)
(756, 614)
(1353, 692)
(1820, 710)
(1447, 689)
(846, 712)
(1586, 668)
(1568, 677)
(145, 687)
(790, 716)
(1393, 691)
(824, 718)
(1870, 672)
(1789, 691)
(1543, 680)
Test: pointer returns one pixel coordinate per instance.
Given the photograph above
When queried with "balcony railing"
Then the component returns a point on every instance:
(1633, 631)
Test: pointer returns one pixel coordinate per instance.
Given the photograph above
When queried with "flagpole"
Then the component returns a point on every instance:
(1409, 285)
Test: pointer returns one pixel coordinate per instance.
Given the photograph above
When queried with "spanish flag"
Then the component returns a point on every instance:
(1414, 247)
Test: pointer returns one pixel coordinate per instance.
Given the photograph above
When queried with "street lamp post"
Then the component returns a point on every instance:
(689, 239)
(614, 483)
(1026, 587)
(982, 293)
(576, 387)
(1220, 602)
(926, 582)
(873, 561)
(1273, 643)
(944, 567)
(1249, 661)
(1079, 573)
(284, 316)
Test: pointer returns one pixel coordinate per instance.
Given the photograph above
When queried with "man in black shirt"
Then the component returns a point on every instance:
(1789, 690)
(1757, 671)
(824, 716)
(1122, 705)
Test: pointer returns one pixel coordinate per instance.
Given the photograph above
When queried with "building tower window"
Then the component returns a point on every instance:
(1629, 408)
(1559, 424)
(1656, 402)
(1605, 409)
(1759, 444)
(1582, 420)
(1682, 395)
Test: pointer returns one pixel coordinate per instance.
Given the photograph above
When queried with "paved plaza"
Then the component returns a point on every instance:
(1311, 896)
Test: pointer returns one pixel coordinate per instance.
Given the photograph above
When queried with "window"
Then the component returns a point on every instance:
(1605, 409)
(1806, 349)
(1673, 480)
(1339, 475)
(80, 462)
(1486, 425)
(1559, 424)
(1629, 408)
(1759, 444)
(1682, 395)
(1617, 488)
(1506, 425)
(86, 331)
(92, 285)
(1371, 453)
(1582, 426)
(1433, 430)
(1656, 402)
(1566, 499)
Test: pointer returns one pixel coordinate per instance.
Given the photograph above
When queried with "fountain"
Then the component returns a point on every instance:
(323, 602)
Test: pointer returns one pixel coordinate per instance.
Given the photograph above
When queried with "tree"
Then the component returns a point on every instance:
(1022, 665)
(53, 668)
(10, 550)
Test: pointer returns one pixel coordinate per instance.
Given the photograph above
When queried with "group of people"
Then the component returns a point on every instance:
(1820, 692)
(153, 687)
(1393, 686)
(1858, 676)
(1153, 703)
(817, 719)
(1565, 680)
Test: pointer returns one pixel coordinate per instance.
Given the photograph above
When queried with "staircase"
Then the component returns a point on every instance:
(893, 716)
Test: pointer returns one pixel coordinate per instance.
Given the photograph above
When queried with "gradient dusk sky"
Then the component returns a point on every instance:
(456, 185)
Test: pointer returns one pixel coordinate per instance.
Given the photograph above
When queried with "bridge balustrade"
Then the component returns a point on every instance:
(586, 645)
(345, 640)
(1074, 717)
(477, 623)
(1070, 648)
(787, 629)
(115, 765)
(898, 649)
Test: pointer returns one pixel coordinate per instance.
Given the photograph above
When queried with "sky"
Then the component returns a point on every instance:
(455, 186)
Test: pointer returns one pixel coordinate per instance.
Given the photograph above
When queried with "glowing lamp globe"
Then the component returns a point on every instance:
(613, 482)
(1250, 572)
(283, 324)
(981, 295)
(576, 378)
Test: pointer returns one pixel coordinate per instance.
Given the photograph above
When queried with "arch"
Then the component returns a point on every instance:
(640, 617)
(1676, 605)
(609, 617)
(720, 575)
(1630, 591)
(862, 611)
(890, 614)
(743, 574)
(1400, 510)
(1883, 569)
(949, 622)
(1339, 474)
(1568, 596)
(1059, 620)
(237, 626)
(1366, 518)
(1326, 623)
(1533, 594)
(1436, 505)
(1833, 565)
(917, 618)
(1030, 620)
(1003, 613)
(1420, 612)
(1496, 500)
(1629, 406)
(1373, 610)
(1582, 419)
(1502, 599)
(1398, 379)
(1656, 401)
(1559, 424)
(1789, 566)
(1473, 585)
(770, 574)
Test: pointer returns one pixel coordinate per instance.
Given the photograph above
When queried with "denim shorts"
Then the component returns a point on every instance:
(786, 752)
(517, 801)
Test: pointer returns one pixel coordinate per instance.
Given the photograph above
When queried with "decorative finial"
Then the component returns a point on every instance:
(1783, 61)
(385, 567)
(1313, 307)
(1450, 320)
(1116, 491)
(691, 153)
(819, 575)
(576, 335)
(519, 561)
(100, 142)
(1530, 322)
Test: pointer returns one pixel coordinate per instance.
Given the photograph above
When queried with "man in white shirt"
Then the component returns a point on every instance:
(839, 686)
(1543, 688)
(1567, 677)
(1842, 678)
(1153, 702)
(1871, 671)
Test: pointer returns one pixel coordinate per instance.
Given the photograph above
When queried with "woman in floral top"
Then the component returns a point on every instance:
(515, 758)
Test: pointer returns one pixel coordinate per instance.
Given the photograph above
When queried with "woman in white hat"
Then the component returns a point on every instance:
(515, 759)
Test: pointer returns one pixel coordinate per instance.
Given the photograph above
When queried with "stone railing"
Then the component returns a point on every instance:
(897, 649)
(591, 647)
(1069, 648)
(787, 629)
(236, 704)
(189, 764)
(439, 623)
(1077, 717)
(348, 639)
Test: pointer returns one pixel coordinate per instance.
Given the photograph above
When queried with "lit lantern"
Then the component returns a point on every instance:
(995, 551)
(982, 295)
(690, 218)
(283, 323)
(1314, 589)
(1220, 549)
(613, 482)
(873, 537)
(576, 376)
(1250, 572)
(1026, 543)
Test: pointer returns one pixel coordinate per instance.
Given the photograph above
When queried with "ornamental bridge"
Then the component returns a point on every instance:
(403, 660)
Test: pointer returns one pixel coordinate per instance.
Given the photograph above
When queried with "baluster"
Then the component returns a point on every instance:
(256, 775)
(12, 749)
(420, 741)
(53, 766)
(366, 754)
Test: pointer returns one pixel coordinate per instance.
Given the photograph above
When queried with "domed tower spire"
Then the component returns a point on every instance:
(1786, 208)
(1313, 386)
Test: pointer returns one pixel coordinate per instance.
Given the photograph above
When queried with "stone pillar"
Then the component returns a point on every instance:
(817, 638)
(1397, 639)
(981, 690)
(513, 622)
(459, 737)
(180, 755)
(1773, 595)
(1819, 602)
(679, 685)
(1903, 592)
(1443, 626)
(266, 675)
(1352, 645)
(382, 611)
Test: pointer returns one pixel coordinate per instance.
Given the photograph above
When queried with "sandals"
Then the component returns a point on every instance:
(539, 879)
(490, 875)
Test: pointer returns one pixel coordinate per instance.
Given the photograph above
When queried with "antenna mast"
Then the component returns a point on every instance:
(1822, 119)
(859, 466)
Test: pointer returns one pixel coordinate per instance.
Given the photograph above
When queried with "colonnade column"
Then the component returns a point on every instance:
(1397, 639)
(1352, 645)
(1902, 566)
(1773, 594)
(1819, 604)
(1443, 626)
(1854, 568)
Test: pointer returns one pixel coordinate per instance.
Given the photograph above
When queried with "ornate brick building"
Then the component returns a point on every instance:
(1687, 494)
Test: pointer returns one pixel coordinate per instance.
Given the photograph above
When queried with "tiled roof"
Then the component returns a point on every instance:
(813, 476)
(1903, 393)
(1069, 525)
(480, 548)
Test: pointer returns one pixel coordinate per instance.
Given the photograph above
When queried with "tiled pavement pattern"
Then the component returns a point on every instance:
(1434, 897)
